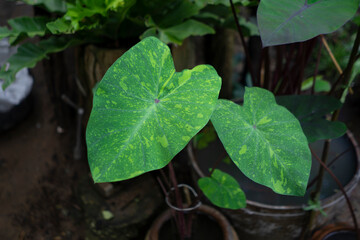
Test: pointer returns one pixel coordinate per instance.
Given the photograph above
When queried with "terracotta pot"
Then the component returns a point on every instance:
(272, 216)
(228, 231)
(333, 232)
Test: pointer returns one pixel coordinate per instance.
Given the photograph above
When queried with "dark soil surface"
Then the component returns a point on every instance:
(37, 168)
(37, 174)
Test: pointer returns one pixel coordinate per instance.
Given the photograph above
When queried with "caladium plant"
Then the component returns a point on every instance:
(144, 113)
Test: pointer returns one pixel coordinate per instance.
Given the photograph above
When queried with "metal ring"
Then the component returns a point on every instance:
(185, 209)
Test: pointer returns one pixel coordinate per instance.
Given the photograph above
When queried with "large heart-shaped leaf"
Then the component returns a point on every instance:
(144, 112)
(223, 190)
(288, 21)
(265, 141)
(311, 111)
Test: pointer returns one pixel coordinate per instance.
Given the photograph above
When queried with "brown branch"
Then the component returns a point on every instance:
(331, 54)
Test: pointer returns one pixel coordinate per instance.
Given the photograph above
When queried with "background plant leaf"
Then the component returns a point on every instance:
(177, 34)
(29, 54)
(87, 15)
(223, 190)
(265, 141)
(50, 5)
(311, 111)
(217, 2)
(144, 112)
(321, 85)
(23, 27)
(60, 26)
(166, 13)
(115, 4)
(288, 21)
(205, 137)
(4, 32)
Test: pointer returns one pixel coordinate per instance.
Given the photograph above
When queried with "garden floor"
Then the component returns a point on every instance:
(37, 171)
(39, 175)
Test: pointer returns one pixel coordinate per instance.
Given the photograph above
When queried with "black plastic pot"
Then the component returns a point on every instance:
(273, 216)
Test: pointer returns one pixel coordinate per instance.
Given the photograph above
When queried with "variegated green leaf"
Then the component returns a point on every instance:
(223, 190)
(288, 21)
(144, 112)
(265, 141)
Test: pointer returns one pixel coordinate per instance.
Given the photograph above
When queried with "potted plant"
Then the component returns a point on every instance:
(244, 150)
(144, 113)
(286, 76)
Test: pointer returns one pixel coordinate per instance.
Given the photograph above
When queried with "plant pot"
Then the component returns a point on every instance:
(122, 215)
(335, 232)
(208, 214)
(273, 216)
(93, 62)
